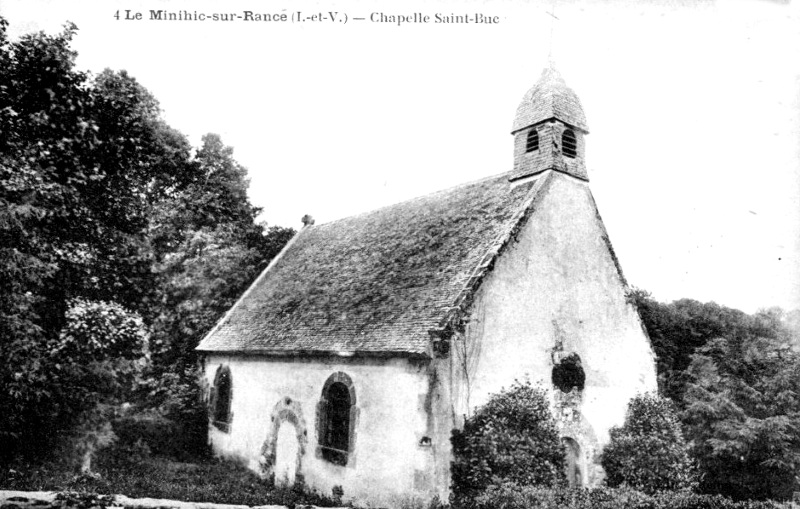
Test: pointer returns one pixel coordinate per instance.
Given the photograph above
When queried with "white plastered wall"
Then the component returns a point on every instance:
(387, 465)
(557, 283)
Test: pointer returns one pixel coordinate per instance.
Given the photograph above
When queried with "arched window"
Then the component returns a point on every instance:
(533, 141)
(336, 416)
(221, 394)
(569, 143)
(568, 374)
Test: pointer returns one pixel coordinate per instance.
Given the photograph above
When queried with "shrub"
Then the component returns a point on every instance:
(98, 361)
(185, 405)
(568, 374)
(648, 452)
(526, 497)
(511, 439)
(519, 497)
(172, 419)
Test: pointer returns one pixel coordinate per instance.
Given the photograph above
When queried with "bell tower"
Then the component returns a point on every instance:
(549, 129)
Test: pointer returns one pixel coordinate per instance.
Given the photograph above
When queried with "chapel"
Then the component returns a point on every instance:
(346, 365)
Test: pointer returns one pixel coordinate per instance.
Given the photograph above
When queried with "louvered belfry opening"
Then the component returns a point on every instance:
(569, 144)
(532, 143)
(549, 128)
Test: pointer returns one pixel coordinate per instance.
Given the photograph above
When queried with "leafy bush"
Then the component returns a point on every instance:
(511, 439)
(146, 429)
(648, 452)
(527, 497)
(98, 360)
(151, 430)
(175, 424)
(510, 496)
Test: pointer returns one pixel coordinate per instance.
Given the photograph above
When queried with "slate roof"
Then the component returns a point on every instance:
(550, 98)
(379, 282)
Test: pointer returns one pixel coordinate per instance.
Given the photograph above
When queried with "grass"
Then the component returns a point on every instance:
(135, 473)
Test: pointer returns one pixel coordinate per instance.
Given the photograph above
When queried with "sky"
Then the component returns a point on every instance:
(693, 111)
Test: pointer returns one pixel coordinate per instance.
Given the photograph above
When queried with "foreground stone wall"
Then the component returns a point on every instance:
(55, 500)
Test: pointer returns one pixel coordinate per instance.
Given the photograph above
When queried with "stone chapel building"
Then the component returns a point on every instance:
(348, 362)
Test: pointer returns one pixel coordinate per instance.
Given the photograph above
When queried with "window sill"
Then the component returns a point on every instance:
(223, 426)
(334, 456)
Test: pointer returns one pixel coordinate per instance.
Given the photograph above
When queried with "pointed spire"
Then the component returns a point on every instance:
(549, 129)
(550, 98)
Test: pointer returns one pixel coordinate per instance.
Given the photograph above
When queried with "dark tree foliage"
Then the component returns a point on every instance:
(648, 453)
(512, 439)
(214, 195)
(743, 416)
(734, 377)
(678, 329)
(67, 228)
(209, 248)
(100, 200)
(99, 353)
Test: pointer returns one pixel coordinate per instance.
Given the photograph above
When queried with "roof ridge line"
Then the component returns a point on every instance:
(486, 263)
(250, 288)
(419, 197)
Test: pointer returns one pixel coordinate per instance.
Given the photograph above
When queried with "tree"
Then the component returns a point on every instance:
(734, 377)
(743, 414)
(208, 249)
(511, 439)
(81, 163)
(97, 361)
(214, 194)
(43, 118)
(86, 159)
(648, 453)
(200, 281)
(101, 200)
(678, 329)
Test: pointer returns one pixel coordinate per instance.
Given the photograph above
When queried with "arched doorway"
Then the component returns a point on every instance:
(573, 462)
(287, 448)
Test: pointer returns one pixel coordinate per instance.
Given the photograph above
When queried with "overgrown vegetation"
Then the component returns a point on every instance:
(131, 470)
(512, 439)
(568, 374)
(105, 209)
(101, 349)
(648, 453)
(121, 245)
(526, 497)
(734, 379)
(743, 415)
